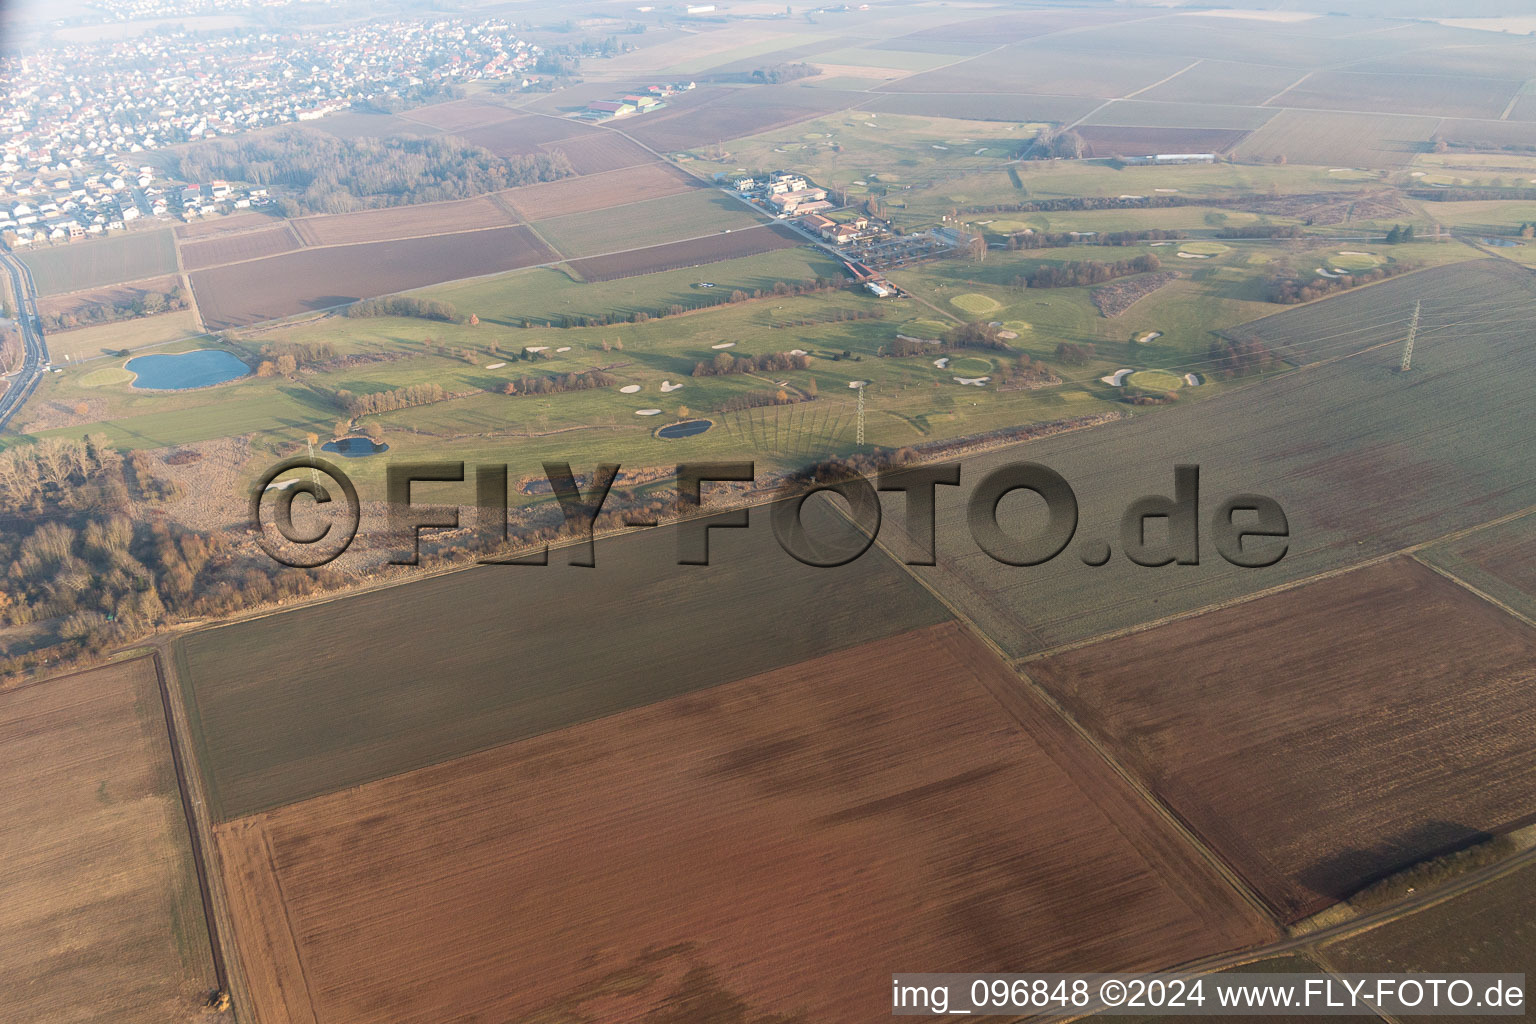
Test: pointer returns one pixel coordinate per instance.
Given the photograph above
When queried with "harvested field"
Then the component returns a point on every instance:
(1040, 68)
(287, 707)
(1140, 113)
(402, 222)
(1491, 928)
(457, 115)
(1340, 139)
(1493, 135)
(873, 806)
(312, 279)
(605, 151)
(598, 191)
(1219, 81)
(1500, 561)
(983, 33)
(112, 295)
(92, 263)
(353, 124)
(1327, 736)
(525, 134)
(984, 106)
(1363, 459)
(738, 112)
(1107, 140)
(1440, 95)
(687, 215)
(99, 898)
(692, 253)
(248, 245)
(210, 227)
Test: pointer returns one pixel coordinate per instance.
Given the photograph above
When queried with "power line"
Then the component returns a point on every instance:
(1413, 328)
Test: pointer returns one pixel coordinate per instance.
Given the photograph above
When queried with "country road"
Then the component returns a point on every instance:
(35, 363)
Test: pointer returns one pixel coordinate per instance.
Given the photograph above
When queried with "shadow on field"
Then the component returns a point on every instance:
(1342, 874)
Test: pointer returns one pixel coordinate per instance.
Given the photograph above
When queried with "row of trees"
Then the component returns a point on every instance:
(1062, 239)
(405, 305)
(285, 358)
(389, 401)
(1082, 273)
(774, 74)
(725, 364)
(1400, 234)
(1237, 357)
(1289, 290)
(325, 174)
(146, 303)
(586, 380)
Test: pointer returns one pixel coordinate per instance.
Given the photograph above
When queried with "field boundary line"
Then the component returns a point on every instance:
(1410, 551)
(376, 241)
(195, 804)
(1179, 828)
(1475, 591)
(1161, 81)
(201, 862)
(1287, 89)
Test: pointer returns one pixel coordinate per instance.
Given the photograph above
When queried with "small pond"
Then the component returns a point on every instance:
(354, 447)
(684, 428)
(180, 371)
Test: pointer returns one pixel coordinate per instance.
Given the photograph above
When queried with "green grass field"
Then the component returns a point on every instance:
(650, 222)
(106, 375)
(1155, 381)
(975, 303)
(1354, 260)
(92, 263)
(1204, 248)
(970, 366)
(140, 332)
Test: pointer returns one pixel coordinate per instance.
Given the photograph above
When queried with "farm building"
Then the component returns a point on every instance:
(817, 223)
(1173, 158)
(612, 108)
(789, 203)
(879, 289)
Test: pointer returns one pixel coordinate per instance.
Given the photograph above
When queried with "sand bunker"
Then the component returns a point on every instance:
(563, 348)
(941, 363)
(667, 387)
(1149, 336)
(857, 383)
(1117, 379)
(975, 382)
(1193, 256)
(629, 389)
(724, 344)
(494, 366)
(647, 412)
(536, 348)
(1193, 380)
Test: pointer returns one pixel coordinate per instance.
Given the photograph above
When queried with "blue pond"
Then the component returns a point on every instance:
(185, 370)
(354, 447)
(685, 428)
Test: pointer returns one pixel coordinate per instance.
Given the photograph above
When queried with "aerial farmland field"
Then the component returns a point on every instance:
(93, 263)
(286, 707)
(1311, 737)
(690, 253)
(1405, 93)
(318, 278)
(1407, 458)
(401, 222)
(1345, 139)
(247, 245)
(734, 835)
(99, 896)
(598, 191)
(1499, 560)
(649, 222)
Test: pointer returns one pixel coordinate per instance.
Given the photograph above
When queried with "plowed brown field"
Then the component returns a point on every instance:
(786, 841)
(99, 905)
(402, 222)
(598, 191)
(690, 253)
(1326, 736)
(248, 245)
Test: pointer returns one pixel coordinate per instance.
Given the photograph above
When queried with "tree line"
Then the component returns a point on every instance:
(1289, 290)
(321, 173)
(554, 384)
(1237, 357)
(1082, 273)
(725, 364)
(145, 304)
(1062, 239)
(389, 401)
(405, 305)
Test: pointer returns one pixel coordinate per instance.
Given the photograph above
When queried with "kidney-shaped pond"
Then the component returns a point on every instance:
(686, 428)
(182, 370)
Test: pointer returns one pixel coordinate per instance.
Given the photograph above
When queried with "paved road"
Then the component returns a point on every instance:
(36, 362)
